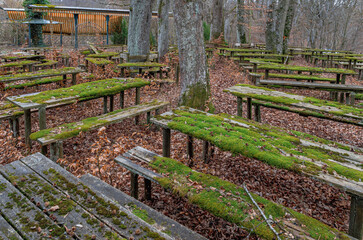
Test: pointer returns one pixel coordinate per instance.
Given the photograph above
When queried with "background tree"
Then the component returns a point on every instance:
(36, 30)
(163, 27)
(195, 89)
(119, 31)
(288, 25)
(217, 19)
(241, 29)
(139, 27)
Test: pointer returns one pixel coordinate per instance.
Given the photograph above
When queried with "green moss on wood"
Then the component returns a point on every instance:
(99, 61)
(141, 64)
(103, 55)
(305, 69)
(18, 64)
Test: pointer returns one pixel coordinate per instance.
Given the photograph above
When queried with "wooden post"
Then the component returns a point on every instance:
(28, 127)
(257, 113)
(190, 148)
(166, 142)
(352, 98)
(54, 151)
(44, 150)
(60, 149)
(255, 67)
(148, 117)
(343, 78)
(356, 217)
(111, 103)
(137, 102)
(249, 108)
(14, 125)
(147, 192)
(134, 185)
(74, 79)
(205, 151)
(161, 73)
(64, 81)
(239, 107)
(266, 74)
(105, 110)
(122, 99)
(42, 118)
(177, 73)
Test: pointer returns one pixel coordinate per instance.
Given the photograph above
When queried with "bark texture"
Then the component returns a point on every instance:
(288, 24)
(230, 33)
(163, 27)
(193, 69)
(217, 20)
(241, 21)
(276, 18)
(139, 27)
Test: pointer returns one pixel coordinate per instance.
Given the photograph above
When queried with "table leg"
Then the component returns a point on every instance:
(137, 102)
(122, 99)
(190, 148)
(134, 185)
(356, 217)
(28, 127)
(147, 184)
(206, 151)
(105, 110)
(239, 106)
(74, 79)
(111, 103)
(166, 142)
(249, 108)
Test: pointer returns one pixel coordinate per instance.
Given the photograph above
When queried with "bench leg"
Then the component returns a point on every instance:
(44, 150)
(111, 103)
(352, 98)
(148, 117)
(105, 110)
(257, 113)
(206, 151)
(239, 106)
(166, 142)
(137, 102)
(134, 185)
(28, 127)
(147, 184)
(356, 217)
(122, 99)
(190, 150)
(53, 152)
(249, 108)
(42, 118)
(74, 79)
(14, 125)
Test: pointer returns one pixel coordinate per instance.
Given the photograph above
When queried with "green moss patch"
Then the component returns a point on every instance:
(99, 61)
(103, 55)
(268, 144)
(298, 77)
(41, 73)
(232, 203)
(141, 64)
(46, 63)
(18, 64)
(86, 91)
(35, 83)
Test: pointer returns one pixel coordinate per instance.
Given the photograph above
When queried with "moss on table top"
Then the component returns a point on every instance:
(298, 77)
(232, 203)
(103, 55)
(305, 69)
(99, 61)
(19, 57)
(41, 73)
(259, 55)
(359, 96)
(263, 60)
(141, 64)
(18, 64)
(35, 83)
(85, 91)
(46, 62)
(274, 146)
(295, 100)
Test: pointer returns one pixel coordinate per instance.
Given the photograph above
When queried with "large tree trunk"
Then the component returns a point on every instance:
(230, 33)
(275, 25)
(163, 24)
(241, 21)
(288, 24)
(217, 20)
(193, 69)
(139, 27)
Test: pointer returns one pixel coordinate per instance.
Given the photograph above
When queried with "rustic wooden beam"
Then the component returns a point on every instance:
(206, 151)
(111, 103)
(356, 217)
(134, 191)
(166, 142)
(122, 99)
(137, 102)
(74, 78)
(249, 108)
(257, 113)
(147, 192)
(105, 110)
(28, 127)
(239, 107)
(190, 148)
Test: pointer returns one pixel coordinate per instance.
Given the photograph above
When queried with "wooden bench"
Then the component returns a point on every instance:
(308, 155)
(38, 198)
(56, 136)
(309, 78)
(219, 197)
(36, 83)
(349, 90)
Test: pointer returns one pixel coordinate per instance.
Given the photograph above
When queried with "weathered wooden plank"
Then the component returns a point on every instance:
(26, 216)
(55, 134)
(68, 213)
(175, 229)
(112, 214)
(7, 232)
(341, 87)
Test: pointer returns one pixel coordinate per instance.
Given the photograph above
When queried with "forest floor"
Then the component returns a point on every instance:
(300, 193)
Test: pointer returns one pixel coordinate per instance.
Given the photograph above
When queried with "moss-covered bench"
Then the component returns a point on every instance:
(28, 64)
(305, 106)
(55, 136)
(14, 58)
(310, 78)
(330, 162)
(41, 200)
(225, 199)
(35, 83)
(141, 67)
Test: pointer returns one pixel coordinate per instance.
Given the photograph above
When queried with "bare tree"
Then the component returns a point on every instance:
(195, 87)
(139, 27)
(217, 19)
(163, 27)
(241, 21)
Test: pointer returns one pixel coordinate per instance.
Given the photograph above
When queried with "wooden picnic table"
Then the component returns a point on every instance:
(306, 106)
(330, 162)
(28, 64)
(41, 200)
(232, 51)
(14, 58)
(141, 66)
(340, 73)
(64, 96)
